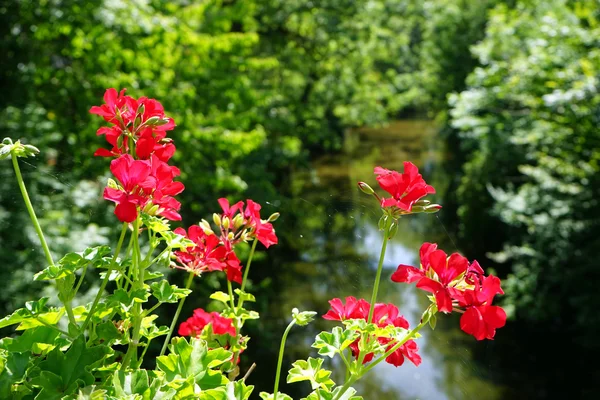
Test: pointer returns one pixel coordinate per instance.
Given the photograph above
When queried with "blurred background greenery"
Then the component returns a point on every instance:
(290, 103)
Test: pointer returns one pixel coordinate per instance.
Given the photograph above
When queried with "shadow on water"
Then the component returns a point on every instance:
(330, 247)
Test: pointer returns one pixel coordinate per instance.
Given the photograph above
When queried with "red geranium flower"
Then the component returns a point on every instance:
(435, 275)
(383, 315)
(194, 325)
(262, 230)
(481, 319)
(134, 176)
(406, 188)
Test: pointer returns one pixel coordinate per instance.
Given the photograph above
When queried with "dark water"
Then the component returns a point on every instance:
(330, 248)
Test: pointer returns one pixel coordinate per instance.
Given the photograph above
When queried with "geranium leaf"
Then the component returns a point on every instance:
(310, 370)
(336, 341)
(166, 293)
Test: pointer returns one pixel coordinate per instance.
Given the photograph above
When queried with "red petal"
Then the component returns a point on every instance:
(407, 274)
(126, 212)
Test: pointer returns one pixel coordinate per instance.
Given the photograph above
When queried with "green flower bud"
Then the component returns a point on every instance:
(273, 217)
(365, 188)
(217, 219)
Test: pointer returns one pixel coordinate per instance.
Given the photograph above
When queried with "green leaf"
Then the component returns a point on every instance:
(233, 391)
(304, 317)
(221, 296)
(155, 224)
(245, 296)
(72, 262)
(175, 241)
(64, 373)
(321, 394)
(15, 366)
(269, 396)
(311, 370)
(37, 340)
(131, 383)
(153, 331)
(166, 293)
(108, 333)
(194, 360)
(330, 344)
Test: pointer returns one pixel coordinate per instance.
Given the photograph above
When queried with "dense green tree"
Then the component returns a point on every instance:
(529, 122)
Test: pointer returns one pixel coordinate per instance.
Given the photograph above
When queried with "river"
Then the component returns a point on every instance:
(331, 248)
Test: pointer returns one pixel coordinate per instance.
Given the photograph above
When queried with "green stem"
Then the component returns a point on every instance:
(347, 384)
(176, 317)
(31, 211)
(144, 353)
(231, 301)
(138, 282)
(280, 360)
(149, 311)
(106, 278)
(379, 269)
(248, 266)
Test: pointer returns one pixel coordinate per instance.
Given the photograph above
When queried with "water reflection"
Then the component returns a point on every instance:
(330, 248)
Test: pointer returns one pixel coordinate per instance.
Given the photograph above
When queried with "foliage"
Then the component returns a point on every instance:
(529, 122)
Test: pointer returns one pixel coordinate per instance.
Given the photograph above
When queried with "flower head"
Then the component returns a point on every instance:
(457, 285)
(406, 188)
(194, 325)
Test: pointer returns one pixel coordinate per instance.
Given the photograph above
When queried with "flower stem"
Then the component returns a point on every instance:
(244, 280)
(379, 269)
(280, 360)
(138, 281)
(106, 277)
(347, 384)
(231, 301)
(176, 317)
(31, 211)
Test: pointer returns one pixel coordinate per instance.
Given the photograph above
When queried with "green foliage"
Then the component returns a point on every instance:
(528, 122)
(311, 370)
(334, 342)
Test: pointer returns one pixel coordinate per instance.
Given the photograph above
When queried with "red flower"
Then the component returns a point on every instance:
(383, 315)
(435, 275)
(134, 176)
(194, 325)
(209, 254)
(354, 309)
(481, 319)
(406, 189)
(117, 108)
(262, 230)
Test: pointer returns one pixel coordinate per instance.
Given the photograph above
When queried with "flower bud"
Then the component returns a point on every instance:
(365, 188)
(205, 226)
(273, 217)
(230, 236)
(238, 221)
(433, 208)
(422, 203)
(226, 222)
(16, 149)
(217, 219)
(152, 121)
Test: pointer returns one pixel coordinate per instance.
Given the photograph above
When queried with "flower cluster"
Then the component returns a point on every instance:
(406, 188)
(194, 325)
(383, 315)
(215, 252)
(457, 285)
(139, 143)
